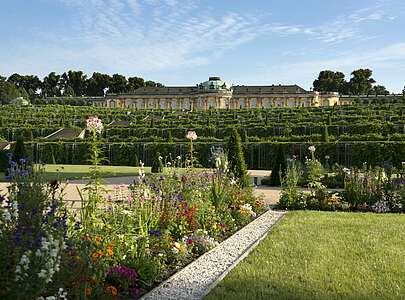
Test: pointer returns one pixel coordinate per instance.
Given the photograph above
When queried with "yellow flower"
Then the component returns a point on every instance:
(259, 202)
(88, 291)
(94, 256)
(97, 240)
(112, 290)
(110, 250)
(182, 249)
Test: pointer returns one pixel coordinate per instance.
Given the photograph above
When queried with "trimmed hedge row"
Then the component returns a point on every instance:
(258, 155)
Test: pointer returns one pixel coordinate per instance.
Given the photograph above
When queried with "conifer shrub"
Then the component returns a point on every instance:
(19, 151)
(236, 158)
(278, 165)
(157, 166)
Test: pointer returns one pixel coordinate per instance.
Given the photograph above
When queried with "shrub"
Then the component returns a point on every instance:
(19, 151)
(278, 166)
(157, 166)
(291, 197)
(236, 159)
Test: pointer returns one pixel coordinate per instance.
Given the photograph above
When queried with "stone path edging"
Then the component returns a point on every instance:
(199, 277)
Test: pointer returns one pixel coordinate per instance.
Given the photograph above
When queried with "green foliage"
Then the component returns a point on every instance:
(329, 81)
(157, 166)
(19, 151)
(291, 197)
(278, 165)
(361, 82)
(3, 161)
(236, 159)
(325, 135)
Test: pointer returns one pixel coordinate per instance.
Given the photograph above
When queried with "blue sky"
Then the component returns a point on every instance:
(183, 42)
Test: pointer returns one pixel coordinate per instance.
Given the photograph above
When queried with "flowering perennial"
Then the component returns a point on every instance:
(94, 124)
(191, 135)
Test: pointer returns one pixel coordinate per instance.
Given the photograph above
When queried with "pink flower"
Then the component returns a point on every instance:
(94, 124)
(129, 199)
(191, 135)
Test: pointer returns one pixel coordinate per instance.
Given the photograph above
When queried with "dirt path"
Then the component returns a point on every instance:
(118, 184)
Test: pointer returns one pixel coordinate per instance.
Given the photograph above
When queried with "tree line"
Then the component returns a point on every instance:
(78, 84)
(360, 83)
(70, 84)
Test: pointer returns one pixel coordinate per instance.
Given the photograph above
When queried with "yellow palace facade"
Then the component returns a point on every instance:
(217, 94)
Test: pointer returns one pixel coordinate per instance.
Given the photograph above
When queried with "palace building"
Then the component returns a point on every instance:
(217, 94)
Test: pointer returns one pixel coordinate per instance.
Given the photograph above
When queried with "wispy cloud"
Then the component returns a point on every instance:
(157, 34)
(386, 60)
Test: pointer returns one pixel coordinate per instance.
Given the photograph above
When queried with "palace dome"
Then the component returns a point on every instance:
(214, 84)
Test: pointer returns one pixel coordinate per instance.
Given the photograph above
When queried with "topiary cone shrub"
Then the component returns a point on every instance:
(19, 149)
(157, 166)
(278, 166)
(236, 158)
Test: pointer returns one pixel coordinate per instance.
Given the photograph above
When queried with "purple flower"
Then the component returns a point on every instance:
(155, 232)
(123, 271)
(134, 291)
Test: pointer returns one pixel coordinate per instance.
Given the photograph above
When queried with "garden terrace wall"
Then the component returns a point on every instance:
(258, 155)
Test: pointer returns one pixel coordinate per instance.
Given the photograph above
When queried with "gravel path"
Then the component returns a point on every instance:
(199, 277)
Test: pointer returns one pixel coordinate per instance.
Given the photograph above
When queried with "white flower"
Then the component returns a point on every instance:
(94, 124)
(191, 135)
(312, 148)
(42, 274)
(169, 163)
(160, 157)
(346, 170)
(6, 215)
(179, 157)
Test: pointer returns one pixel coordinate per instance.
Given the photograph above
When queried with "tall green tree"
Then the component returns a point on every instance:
(361, 82)
(380, 90)
(8, 91)
(50, 85)
(236, 158)
(28, 82)
(135, 83)
(119, 84)
(76, 80)
(329, 81)
(97, 83)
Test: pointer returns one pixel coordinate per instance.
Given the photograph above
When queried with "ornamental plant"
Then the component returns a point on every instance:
(157, 166)
(237, 165)
(33, 234)
(191, 136)
(291, 197)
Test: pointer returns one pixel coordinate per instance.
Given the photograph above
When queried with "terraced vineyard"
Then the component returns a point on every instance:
(349, 135)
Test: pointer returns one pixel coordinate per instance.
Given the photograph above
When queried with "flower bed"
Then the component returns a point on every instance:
(117, 246)
(375, 189)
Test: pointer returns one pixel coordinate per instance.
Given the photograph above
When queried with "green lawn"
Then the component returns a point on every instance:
(82, 171)
(64, 172)
(321, 255)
